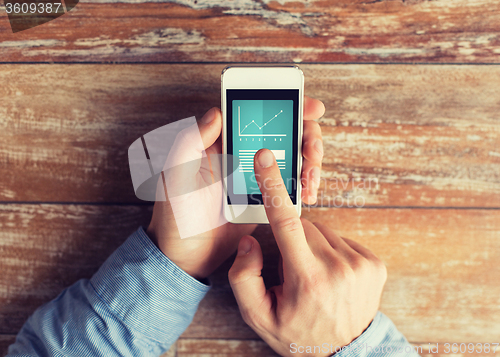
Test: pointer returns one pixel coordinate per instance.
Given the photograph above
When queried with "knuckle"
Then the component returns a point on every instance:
(360, 263)
(253, 319)
(345, 272)
(274, 183)
(236, 276)
(313, 283)
(375, 268)
(316, 126)
(289, 224)
(313, 126)
(185, 136)
(381, 269)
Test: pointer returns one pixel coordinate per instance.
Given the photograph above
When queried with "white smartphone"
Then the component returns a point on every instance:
(262, 107)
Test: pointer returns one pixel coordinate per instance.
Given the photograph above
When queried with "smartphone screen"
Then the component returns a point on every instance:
(256, 119)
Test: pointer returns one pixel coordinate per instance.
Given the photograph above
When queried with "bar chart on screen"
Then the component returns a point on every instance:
(246, 159)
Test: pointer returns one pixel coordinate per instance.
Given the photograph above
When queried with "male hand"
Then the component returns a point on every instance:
(331, 286)
(201, 254)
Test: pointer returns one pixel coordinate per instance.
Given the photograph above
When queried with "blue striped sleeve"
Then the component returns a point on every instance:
(380, 339)
(137, 304)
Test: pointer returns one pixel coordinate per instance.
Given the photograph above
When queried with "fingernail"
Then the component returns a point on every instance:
(245, 246)
(265, 159)
(318, 146)
(208, 117)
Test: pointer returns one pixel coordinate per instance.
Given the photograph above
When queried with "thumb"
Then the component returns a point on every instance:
(188, 154)
(247, 284)
(195, 139)
(210, 127)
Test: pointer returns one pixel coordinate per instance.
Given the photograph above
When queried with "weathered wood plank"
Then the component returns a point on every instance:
(45, 248)
(269, 31)
(442, 350)
(394, 135)
(220, 348)
(442, 263)
(410, 127)
(188, 347)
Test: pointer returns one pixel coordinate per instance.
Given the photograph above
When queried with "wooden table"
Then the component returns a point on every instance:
(412, 91)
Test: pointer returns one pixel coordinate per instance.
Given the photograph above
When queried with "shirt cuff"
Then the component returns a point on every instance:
(381, 338)
(146, 290)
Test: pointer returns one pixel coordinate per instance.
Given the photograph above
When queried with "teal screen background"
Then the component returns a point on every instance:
(258, 124)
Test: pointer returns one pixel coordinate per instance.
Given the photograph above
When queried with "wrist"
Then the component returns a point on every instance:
(369, 337)
(189, 266)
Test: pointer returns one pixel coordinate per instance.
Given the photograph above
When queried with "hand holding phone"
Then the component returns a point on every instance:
(199, 257)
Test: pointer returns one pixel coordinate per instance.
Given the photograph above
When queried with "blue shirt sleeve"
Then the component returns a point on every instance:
(380, 339)
(137, 304)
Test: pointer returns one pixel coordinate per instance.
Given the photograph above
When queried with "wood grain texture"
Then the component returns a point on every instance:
(189, 347)
(45, 248)
(442, 264)
(394, 135)
(442, 350)
(458, 31)
(222, 348)
(407, 128)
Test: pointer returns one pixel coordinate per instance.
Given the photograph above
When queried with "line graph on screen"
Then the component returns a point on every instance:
(253, 129)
